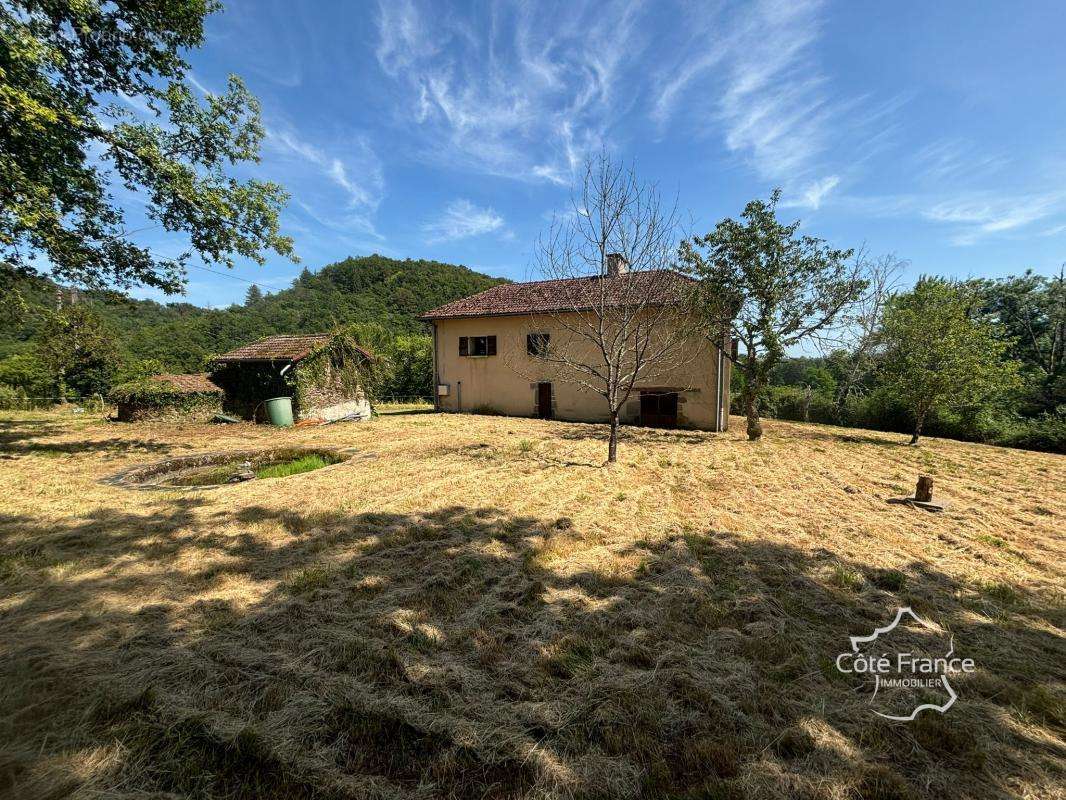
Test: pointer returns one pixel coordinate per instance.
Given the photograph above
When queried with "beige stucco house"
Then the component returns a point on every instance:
(485, 358)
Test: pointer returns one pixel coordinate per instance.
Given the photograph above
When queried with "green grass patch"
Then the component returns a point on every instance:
(294, 467)
(307, 580)
(891, 580)
(844, 578)
(991, 541)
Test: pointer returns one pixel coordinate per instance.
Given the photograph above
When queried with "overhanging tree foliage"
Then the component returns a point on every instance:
(769, 288)
(67, 143)
(938, 351)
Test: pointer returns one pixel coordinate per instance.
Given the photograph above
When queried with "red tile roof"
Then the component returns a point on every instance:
(195, 383)
(566, 294)
(284, 347)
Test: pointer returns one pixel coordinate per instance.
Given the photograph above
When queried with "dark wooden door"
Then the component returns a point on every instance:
(544, 400)
(658, 409)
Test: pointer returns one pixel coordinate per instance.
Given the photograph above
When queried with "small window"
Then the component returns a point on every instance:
(537, 344)
(477, 345)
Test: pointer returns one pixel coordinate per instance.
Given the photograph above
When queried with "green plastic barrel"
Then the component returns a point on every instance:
(279, 409)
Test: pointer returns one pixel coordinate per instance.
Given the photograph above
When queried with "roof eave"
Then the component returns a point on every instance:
(527, 313)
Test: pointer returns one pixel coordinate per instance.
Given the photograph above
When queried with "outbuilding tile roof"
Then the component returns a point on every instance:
(284, 347)
(566, 294)
(195, 383)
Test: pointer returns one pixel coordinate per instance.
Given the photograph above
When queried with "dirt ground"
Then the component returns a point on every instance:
(475, 606)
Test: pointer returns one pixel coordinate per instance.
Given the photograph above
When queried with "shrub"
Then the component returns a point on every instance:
(788, 402)
(25, 371)
(11, 398)
(1047, 432)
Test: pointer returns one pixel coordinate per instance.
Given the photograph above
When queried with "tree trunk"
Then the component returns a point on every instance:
(918, 420)
(751, 411)
(752, 385)
(612, 444)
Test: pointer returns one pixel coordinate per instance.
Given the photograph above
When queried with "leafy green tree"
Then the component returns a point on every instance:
(138, 370)
(1032, 309)
(253, 295)
(820, 380)
(412, 367)
(66, 141)
(26, 371)
(79, 350)
(769, 288)
(939, 352)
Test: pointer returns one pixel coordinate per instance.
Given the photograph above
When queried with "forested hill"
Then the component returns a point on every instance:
(183, 336)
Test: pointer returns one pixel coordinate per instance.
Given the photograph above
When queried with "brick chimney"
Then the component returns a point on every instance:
(616, 264)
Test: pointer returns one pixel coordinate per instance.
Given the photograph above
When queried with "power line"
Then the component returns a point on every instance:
(205, 269)
(237, 277)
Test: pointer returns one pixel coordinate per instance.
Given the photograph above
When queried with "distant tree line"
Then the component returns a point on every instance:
(57, 342)
(980, 360)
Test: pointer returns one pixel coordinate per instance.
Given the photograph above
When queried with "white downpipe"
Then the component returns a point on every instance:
(718, 409)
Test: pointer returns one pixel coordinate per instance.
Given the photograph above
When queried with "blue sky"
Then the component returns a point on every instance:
(452, 131)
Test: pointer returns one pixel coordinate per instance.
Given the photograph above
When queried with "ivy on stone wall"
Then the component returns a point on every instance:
(144, 399)
(342, 364)
(334, 371)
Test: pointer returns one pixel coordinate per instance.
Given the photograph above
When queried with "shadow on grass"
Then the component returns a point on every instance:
(634, 434)
(16, 438)
(89, 446)
(464, 653)
(405, 412)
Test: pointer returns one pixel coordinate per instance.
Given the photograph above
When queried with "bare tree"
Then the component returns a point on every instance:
(860, 336)
(617, 311)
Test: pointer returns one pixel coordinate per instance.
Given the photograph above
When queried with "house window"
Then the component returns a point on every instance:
(477, 345)
(537, 344)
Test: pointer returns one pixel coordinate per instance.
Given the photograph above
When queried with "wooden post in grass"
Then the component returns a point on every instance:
(923, 492)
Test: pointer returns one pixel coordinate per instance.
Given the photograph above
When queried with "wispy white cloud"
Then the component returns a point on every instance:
(365, 192)
(402, 37)
(812, 195)
(775, 106)
(340, 188)
(515, 92)
(968, 217)
(462, 219)
(956, 160)
(750, 77)
(979, 215)
(199, 85)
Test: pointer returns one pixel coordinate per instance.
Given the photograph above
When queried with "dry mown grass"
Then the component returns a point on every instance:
(478, 609)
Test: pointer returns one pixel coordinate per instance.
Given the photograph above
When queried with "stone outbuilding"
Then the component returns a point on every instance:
(321, 372)
(191, 397)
